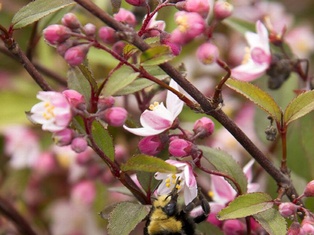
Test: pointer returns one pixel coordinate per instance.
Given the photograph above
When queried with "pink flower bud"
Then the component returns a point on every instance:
(199, 6)
(108, 35)
(55, 34)
(125, 16)
(71, 21)
(76, 55)
(118, 47)
(105, 102)
(115, 116)
(309, 189)
(79, 144)
(75, 98)
(151, 145)
(84, 158)
(207, 53)
(180, 148)
(294, 229)
(306, 228)
(204, 127)
(89, 29)
(46, 163)
(287, 209)
(63, 137)
(84, 192)
(222, 9)
(231, 227)
(137, 3)
(166, 39)
(64, 46)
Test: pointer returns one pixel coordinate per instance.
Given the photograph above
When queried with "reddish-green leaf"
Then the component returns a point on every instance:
(299, 106)
(246, 205)
(224, 163)
(272, 222)
(258, 96)
(147, 163)
(156, 55)
(36, 10)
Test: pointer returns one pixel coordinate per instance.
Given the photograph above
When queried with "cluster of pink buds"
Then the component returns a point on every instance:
(65, 37)
(56, 111)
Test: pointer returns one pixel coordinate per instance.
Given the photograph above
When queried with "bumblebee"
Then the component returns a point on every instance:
(165, 218)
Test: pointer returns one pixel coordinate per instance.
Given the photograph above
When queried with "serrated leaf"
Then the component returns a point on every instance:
(77, 81)
(246, 205)
(124, 218)
(147, 180)
(87, 73)
(225, 163)
(147, 163)
(156, 55)
(239, 25)
(36, 10)
(299, 106)
(118, 80)
(137, 85)
(258, 96)
(103, 139)
(272, 222)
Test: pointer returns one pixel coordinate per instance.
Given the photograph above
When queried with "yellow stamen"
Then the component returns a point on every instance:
(247, 55)
(211, 194)
(154, 105)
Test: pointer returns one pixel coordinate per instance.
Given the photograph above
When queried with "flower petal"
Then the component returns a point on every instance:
(223, 192)
(249, 71)
(142, 131)
(153, 120)
(174, 104)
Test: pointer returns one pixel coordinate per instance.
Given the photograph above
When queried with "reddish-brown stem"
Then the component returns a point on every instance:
(284, 167)
(8, 210)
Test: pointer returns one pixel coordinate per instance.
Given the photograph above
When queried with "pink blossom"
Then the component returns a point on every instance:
(70, 20)
(54, 112)
(199, 6)
(150, 145)
(63, 137)
(287, 209)
(188, 182)
(159, 118)
(258, 58)
(309, 189)
(159, 25)
(114, 116)
(207, 53)
(75, 98)
(180, 148)
(76, 55)
(107, 35)
(89, 29)
(79, 144)
(222, 9)
(55, 34)
(204, 127)
(137, 3)
(125, 16)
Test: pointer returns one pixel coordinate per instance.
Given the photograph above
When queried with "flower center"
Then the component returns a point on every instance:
(183, 25)
(49, 108)
(172, 179)
(259, 56)
(154, 106)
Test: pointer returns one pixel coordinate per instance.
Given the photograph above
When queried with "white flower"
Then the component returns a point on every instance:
(258, 57)
(54, 112)
(159, 118)
(187, 181)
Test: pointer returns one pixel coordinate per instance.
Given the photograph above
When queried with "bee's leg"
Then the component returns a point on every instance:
(205, 207)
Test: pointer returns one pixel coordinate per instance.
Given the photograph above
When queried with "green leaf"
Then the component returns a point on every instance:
(138, 85)
(78, 82)
(124, 218)
(147, 180)
(36, 10)
(299, 106)
(103, 139)
(272, 222)
(258, 96)
(118, 80)
(246, 205)
(89, 77)
(147, 163)
(225, 163)
(156, 55)
(239, 25)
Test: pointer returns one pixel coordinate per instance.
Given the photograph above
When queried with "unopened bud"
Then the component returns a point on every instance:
(233, 226)
(125, 16)
(151, 145)
(204, 127)
(118, 47)
(207, 53)
(89, 29)
(114, 116)
(64, 46)
(63, 137)
(294, 229)
(222, 9)
(70, 20)
(309, 189)
(56, 34)
(180, 148)
(137, 3)
(287, 209)
(76, 55)
(105, 102)
(108, 35)
(199, 6)
(79, 144)
(75, 98)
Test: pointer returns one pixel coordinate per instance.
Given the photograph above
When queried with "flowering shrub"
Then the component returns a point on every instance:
(141, 99)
